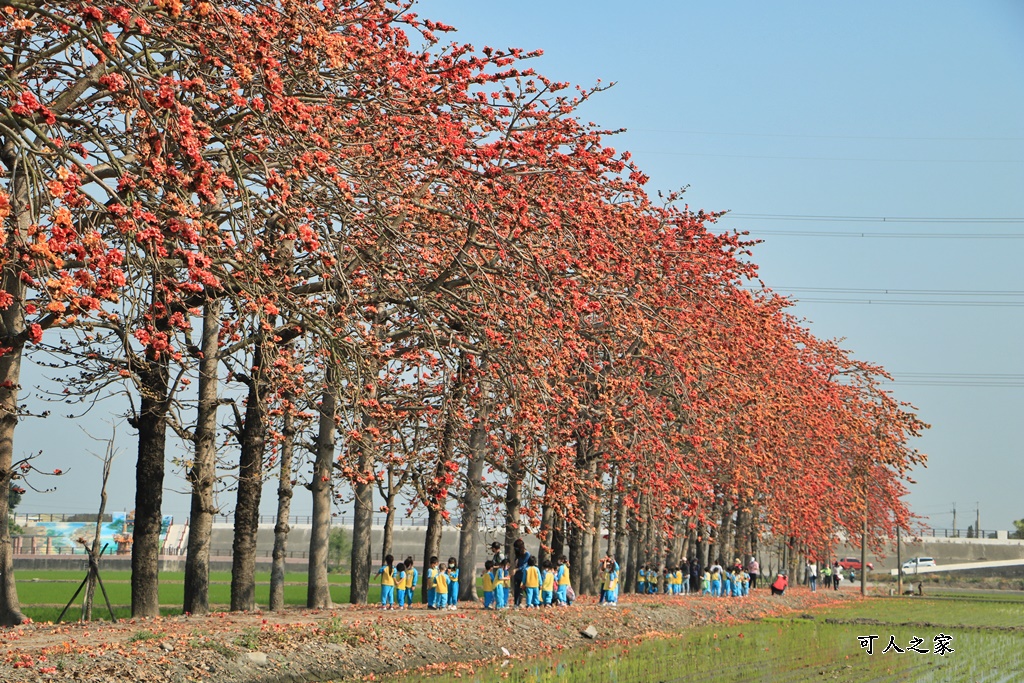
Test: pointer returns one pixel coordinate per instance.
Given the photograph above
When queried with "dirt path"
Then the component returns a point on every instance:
(351, 643)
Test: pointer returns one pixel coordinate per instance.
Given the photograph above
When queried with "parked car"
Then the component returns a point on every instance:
(915, 563)
(853, 563)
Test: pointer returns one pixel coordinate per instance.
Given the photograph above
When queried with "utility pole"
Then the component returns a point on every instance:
(954, 520)
(977, 520)
(899, 564)
(864, 540)
(864, 553)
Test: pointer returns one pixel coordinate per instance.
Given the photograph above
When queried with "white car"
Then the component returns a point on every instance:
(915, 563)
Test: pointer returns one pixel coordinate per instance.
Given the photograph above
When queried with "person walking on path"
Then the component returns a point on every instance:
(753, 568)
(812, 575)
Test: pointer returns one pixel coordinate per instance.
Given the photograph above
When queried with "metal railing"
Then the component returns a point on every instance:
(24, 519)
(957, 533)
(336, 520)
(42, 550)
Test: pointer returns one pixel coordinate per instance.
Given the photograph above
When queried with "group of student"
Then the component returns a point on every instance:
(398, 582)
(673, 581)
(536, 585)
(544, 585)
(722, 581)
(716, 580)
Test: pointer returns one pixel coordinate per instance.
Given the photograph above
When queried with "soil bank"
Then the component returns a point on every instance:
(355, 642)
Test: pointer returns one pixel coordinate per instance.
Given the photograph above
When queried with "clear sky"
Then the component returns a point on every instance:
(785, 113)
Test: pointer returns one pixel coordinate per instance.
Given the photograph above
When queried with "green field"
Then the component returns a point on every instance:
(987, 639)
(44, 593)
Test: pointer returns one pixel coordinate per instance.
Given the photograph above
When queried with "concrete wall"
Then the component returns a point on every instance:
(945, 551)
(408, 541)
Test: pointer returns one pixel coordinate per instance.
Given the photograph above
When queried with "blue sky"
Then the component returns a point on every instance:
(845, 110)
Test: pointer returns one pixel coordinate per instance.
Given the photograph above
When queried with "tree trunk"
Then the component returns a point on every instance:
(362, 525)
(632, 560)
(94, 549)
(318, 594)
(10, 371)
(436, 492)
(621, 532)
(547, 519)
(250, 485)
(388, 540)
(726, 530)
(547, 512)
(362, 514)
(743, 535)
(581, 544)
(595, 541)
(149, 485)
(203, 472)
(513, 502)
(469, 538)
(703, 546)
(585, 551)
(284, 507)
(558, 537)
(12, 336)
(431, 545)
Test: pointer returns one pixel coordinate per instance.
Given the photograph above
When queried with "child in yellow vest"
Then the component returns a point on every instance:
(429, 582)
(441, 588)
(387, 583)
(562, 581)
(488, 584)
(531, 582)
(547, 586)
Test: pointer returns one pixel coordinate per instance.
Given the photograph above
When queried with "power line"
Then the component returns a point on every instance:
(898, 236)
(957, 379)
(821, 137)
(908, 302)
(966, 375)
(912, 292)
(793, 158)
(879, 219)
(934, 220)
(990, 385)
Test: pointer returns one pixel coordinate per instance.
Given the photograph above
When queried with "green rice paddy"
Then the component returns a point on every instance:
(44, 593)
(986, 636)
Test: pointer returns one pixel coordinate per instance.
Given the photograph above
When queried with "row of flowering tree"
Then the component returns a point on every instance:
(315, 242)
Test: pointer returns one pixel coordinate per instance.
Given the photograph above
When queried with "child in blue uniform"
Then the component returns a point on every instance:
(562, 581)
(488, 581)
(412, 579)
(400, 576)
(531, 582)
(387, 583)
(611, 582)
(453, 583)
(547, 584)
(441, 588)
(432, 572)
(501, 585)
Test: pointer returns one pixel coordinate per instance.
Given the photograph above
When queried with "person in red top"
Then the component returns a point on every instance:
(779, 587)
